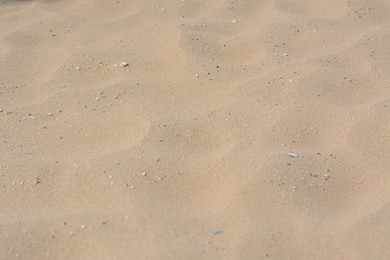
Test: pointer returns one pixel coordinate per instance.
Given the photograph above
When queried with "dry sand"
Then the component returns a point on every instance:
(182, 152)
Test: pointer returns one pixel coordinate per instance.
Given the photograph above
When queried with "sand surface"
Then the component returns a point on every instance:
(183, 152)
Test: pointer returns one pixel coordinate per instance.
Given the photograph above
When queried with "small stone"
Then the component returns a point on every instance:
(1, 110)
(37, 180)
(217, 232)
(124, 64)
(82, 226)
(234, 21)
(143, 174)
(49, 114)
(293, 154)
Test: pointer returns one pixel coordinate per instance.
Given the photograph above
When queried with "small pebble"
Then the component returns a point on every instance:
(234, 21)
(124, 64)
(143, 174)
(217, 232)
(49, 114)
(293, 154)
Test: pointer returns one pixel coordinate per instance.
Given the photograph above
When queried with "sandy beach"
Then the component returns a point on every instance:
(194, 129)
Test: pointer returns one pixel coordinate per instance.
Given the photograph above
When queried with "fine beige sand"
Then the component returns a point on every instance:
(234, 129)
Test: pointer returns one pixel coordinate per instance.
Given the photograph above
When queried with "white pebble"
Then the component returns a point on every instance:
(124, 64)
(293, 154)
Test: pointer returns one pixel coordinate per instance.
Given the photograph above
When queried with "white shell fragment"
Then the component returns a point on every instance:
(293, 154)
(124, 64)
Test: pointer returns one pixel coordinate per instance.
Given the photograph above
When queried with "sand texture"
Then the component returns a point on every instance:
(194, 129)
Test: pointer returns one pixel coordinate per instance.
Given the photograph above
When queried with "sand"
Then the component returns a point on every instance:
(194, 129)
